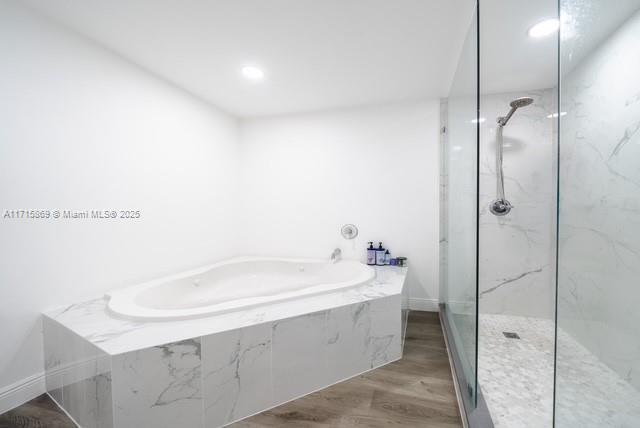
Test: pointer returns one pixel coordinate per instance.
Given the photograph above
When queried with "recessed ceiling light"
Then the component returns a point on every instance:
(553, 115)
(544, 28)
(478, 120)
(252, 73)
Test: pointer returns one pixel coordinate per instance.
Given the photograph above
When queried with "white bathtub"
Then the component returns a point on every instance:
(235, 284)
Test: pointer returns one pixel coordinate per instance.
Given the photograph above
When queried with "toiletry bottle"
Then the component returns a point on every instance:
(380, 255)
(387, 257)
(371, 254)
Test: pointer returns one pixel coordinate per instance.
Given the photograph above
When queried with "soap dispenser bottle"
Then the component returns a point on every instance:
(380, 255)
(387, 257)
(371, 255)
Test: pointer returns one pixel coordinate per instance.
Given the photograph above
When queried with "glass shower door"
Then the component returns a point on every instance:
(460, 159)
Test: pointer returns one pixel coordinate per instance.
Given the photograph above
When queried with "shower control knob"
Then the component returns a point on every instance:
(500, 207)
(349, 231)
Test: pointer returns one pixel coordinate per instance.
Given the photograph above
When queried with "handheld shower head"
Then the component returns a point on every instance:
(515, 105)
(521, 102)
(501, 206)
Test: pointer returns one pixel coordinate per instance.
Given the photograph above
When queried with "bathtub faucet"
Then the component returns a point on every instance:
(336, 255)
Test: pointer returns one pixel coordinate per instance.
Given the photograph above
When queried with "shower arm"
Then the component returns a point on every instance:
(502, 121)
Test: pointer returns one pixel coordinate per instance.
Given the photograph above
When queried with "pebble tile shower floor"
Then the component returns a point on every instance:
(516, 379)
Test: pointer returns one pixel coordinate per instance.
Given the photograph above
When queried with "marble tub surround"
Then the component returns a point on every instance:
(233, 365)
(78, 376)
(237, 378)
(159, 386)
(422, 378)
(92, 321)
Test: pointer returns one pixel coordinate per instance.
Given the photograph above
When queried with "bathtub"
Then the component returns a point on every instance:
(233, 285)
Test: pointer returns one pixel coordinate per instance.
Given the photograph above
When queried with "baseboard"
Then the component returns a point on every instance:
(421, 304)
(21, 391)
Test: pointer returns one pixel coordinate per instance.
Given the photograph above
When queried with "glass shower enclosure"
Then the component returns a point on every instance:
(459, 232)
(539, 291)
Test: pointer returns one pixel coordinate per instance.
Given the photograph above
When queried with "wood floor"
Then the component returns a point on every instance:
(41, 412)
(416, 391)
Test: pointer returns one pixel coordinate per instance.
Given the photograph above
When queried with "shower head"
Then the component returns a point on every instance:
(521, 102)
(515, 105)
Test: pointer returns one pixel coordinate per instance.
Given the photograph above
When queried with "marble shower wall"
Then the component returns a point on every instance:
(517, 251)
(599, 251)
(216, 379)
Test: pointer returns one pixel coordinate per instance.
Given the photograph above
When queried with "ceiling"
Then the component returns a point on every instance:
(510, 59)
(327, 54)
(513, 61)
(316, 54)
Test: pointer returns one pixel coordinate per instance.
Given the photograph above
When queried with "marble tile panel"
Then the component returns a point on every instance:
(53, 358)
(299, 356)
(348, 341)
(385, 344)
(159, 387)
(236, 374)
(78, 376)
(89, 401)
(517, 251)
(599, 251)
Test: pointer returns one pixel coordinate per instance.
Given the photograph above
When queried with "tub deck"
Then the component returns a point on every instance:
(108, 372)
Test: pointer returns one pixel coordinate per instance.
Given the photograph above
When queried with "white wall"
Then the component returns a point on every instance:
(304, 176)
(80, 128)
